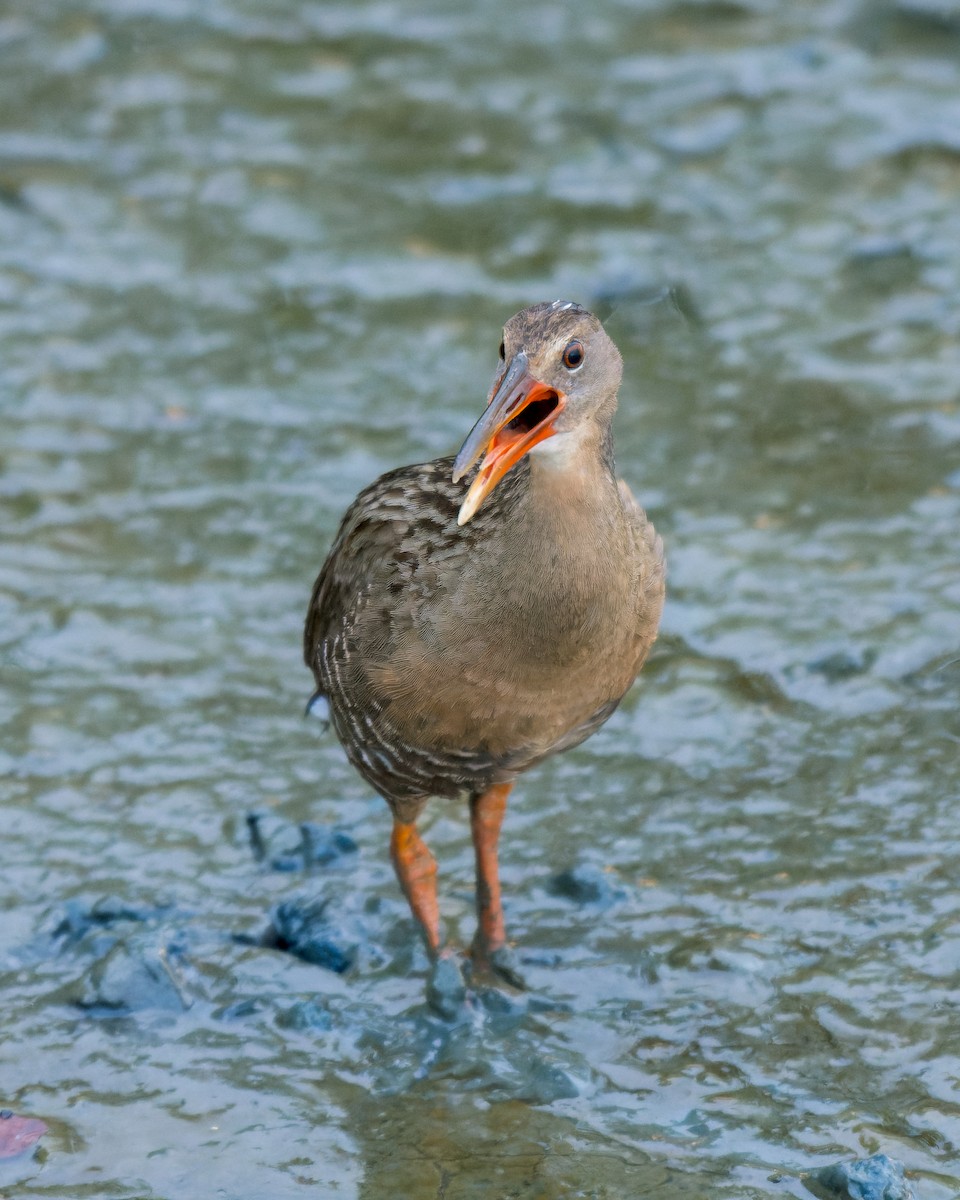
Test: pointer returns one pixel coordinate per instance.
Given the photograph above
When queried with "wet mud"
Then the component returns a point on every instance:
(251, 259)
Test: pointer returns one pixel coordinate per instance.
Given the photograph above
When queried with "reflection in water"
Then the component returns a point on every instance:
(248, 262)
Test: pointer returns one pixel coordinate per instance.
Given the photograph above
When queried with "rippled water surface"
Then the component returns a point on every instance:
(253, 255)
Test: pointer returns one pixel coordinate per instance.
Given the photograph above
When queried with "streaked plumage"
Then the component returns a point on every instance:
(456, 656)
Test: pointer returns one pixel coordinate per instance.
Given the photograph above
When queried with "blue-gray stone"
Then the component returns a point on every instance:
(875, 1178)
(310, 932)
(586, 884)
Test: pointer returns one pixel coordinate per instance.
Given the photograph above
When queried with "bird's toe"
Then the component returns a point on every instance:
(502, 963)
(446, 990)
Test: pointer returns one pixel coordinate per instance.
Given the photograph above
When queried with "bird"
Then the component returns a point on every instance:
(476, 614)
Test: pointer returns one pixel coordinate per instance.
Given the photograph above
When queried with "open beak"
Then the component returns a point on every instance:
(521, 413)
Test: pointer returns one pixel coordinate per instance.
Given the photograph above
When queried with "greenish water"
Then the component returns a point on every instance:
(249, 259)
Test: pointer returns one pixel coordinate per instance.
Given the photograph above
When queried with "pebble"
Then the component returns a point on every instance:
(875, 1178)
(586, 884)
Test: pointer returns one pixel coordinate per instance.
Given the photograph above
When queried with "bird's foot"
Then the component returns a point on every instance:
(446, 990)
(500, 962)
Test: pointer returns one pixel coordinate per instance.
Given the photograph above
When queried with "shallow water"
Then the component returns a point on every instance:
(247, 262)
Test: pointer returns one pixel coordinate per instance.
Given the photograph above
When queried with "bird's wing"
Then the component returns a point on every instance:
(369, 549)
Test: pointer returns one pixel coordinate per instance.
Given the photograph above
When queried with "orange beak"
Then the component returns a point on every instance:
(522, 412)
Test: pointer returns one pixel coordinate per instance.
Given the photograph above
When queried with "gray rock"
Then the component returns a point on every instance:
(306, 1015)
(875, 1178)
(332, 932)
(586, 884)
(288, 847)
(137, 973)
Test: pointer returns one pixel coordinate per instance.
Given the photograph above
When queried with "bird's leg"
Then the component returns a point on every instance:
(487, 810)
(490, 949)
(416, 870)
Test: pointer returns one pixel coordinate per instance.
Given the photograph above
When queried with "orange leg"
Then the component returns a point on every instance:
(486, 817)
(416, 870)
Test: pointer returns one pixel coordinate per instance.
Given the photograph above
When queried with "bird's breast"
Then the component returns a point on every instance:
(513, 654)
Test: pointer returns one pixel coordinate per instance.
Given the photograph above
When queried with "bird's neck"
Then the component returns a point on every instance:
(555, 534)
(573, 474)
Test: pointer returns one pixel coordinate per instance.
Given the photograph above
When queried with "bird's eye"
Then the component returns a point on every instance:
(503, 350)
(573, 355)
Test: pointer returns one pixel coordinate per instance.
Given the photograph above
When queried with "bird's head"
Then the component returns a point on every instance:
(556, 381)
